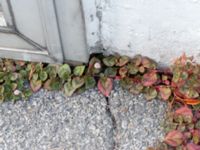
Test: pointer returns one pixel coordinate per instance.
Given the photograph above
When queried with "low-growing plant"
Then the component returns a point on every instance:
(179, 85)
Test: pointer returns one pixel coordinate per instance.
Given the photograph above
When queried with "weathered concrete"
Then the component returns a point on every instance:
(161, 29)
(51, 121)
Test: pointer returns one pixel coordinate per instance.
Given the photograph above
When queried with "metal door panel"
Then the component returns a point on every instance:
(28, 20)
(44, 30)
(14, 41)
(33, 33)
(71, 23)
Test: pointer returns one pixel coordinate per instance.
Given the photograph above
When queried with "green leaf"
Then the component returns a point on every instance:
(126, 83)
(14, 86)
(89, 82)
(53, 84)
(150, 93)
(176, 75)
(148, 63)
(35, 85)
(27, 93)
(14, 76)
(1, 89)
(110, 61)
(9, 65)
(71, 86)
(52, 70)
(123, 60)
(132, 69)
(79, 70)
(184, 75)
(1, 98)
(69, 89)
(35, 76)
(137, 60)
(64, 71)
(110, 72)
(23, 74)
(38, 67)
(2, 74)
(136, 88)
(43, 76)
(20, 84)
(77, 82)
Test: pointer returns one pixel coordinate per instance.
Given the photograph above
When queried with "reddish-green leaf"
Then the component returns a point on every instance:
(123, 60)
(148, 63)
(149, 78)
(126, 83)
(150, 93)
(110, 72)
(89, 82)
(136, 88)
(123, 72)
(196, 136)
(64, 71)
(137, 60)
(132, 69)
(94, 66)
(174, 138)
(110, 61)
(105, 85)
(165, 92)
(71, 86)
(192, 146)
(35, 85)
(184, 111)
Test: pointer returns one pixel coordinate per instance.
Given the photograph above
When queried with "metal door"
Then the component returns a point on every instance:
(37, 30)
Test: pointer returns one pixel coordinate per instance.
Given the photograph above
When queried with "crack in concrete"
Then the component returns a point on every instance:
(114, 123)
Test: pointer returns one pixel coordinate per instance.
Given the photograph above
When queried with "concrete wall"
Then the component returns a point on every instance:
(160, 29)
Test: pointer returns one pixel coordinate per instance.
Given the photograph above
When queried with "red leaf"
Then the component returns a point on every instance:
(192, 146)
(174, 138)
(105, 86)
(149, 78)
(184, 111)
(190, 101)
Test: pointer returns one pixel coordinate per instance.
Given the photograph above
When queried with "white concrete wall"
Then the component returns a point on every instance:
(160, 29)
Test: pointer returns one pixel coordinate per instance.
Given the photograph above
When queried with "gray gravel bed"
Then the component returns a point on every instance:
(51, 121)
(138, 121)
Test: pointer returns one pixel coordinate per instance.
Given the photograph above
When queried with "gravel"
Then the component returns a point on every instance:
(138, 121)
(51, 121)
